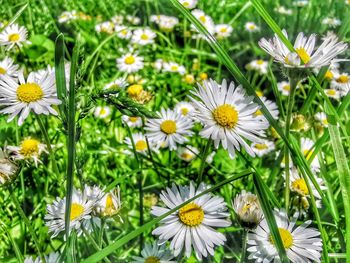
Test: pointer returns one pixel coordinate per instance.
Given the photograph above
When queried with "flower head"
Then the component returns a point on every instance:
(247, 209)
(154, 254)
(13, 35)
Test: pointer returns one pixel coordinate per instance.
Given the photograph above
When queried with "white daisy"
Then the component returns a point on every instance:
(341, 82)
(334, 93)
(117, 19)
(271, 106)
(133, 19)
(284, 87)
(170, 129)
(223, 31)
(13, 35)
(102, 112)
(305, 56)
(187, 153)
(20, 98)
(130, 63)
(8, 169)
(204, 19)
(158, 64)
(322, 118)
(332, 22)
(119, 83)
(189, 4)
(184, 108)
(140, 143)
(109, 204)
(154, 254)
(247, 209)
(8, 68)
(105, 27)
(66, 16)
(191, 225)
(259, 65)
(132, 122)
(283, 10)
(263, 148)
(301, 3)
(228, 116)
(302, 243)
(174, 67)
(123, 32)
(29, 149)
(81, 208)
(167, 23)
(143, 36)
(251, 27)
(307, 150)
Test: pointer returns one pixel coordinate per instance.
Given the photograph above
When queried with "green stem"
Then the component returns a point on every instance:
(203, 161)
(293, 83)
(27, 223)
(244, 245)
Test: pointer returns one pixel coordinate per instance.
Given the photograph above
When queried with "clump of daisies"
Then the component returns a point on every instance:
(228, 116)
(193, 224)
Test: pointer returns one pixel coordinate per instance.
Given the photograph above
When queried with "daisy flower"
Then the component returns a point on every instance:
(228, 116)
(259, 65)
(167, 23)
(13, 35)
(66, 16)
(223, 31)
(154, 254)
(8, 169)
(132, 122)
(302, 243)
(105, 27)
(247, 209)
(119, 83)
(306, 56)
(109, 204)
(322, 118)
(189, 4)
(341, 82)
(307, 150)
(263, 148)
(187, 153)
(284, 87)
(123, 32)
(29, 149)
(271, 106)
(81, 208)
(334, 93)
(189, 79)
(184, 108)
(139, 141)
(332, 22)
(7, 68)
(143, 36)
(130, 63)
(251, 27)
(133, 19)
(20, 98)
(117, 19)
(170, 129)
(192, 224)
(102, 112)
(174, 67)
(159, 64)
(283, 10)
(204, 19)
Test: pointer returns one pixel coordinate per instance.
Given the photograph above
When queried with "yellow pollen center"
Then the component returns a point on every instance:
(343, 79)
(189, 79)
(325, 121)
(14, 37)
(329, 75)
(260, 62)
(251, 27)
(186, 155)
(226, 116)
(133, 119)
(29, 147)
(304, 56)
(202, 19)
(261, 146)
(144, 37)
(103, 111)
(124, 32)
(184, 111)
(300, 186)
(76, 211)
(203, 76)
(191, 214)
(185, 4)
(152, 259)
(286, 87)
(258, 113)
(174, 68)
(129, 60)
(168, 126)
(331, 92)
(29, 92)
(286, 236)
(141, 145)
(259, 93)
(2, 71)
(135, 90)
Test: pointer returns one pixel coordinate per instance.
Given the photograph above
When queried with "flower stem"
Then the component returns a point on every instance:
(244, 245)
(293, 83)
(203, 161)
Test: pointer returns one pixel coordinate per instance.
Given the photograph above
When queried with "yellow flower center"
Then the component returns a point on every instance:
(29, 147)
(129, 60)
(103, 111)
(2, 71)
(259, 93)
(186, 155)
(189, 79)
(260, 62)
(307, 153)
(223, 30)
(304, 56)
(331, 92)
(245, 208)
(168, 126)
(76, 211)
(202, 19)
(251, 27)
(286, 236)
(110, 208)
(124, 32)
(325, 121)
(135, 90)
(260, 146)
(286, 87)
(343, 79)
(191, 214)
(187, 4)
(203, 76)
(226, 116)
(141, 145)
(133, 119)
(300, 186)
(152, 259)
(184, 111)
(29, 92)
(144, 37)
(174, 68)
(329, 75)
(258, 113)
(14, 37)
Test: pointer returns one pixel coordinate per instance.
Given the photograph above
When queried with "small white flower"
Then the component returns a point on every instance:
(263, 148)
(109, 204)
(247, 209)
(334, 93)
(140, 143)
(259, 65)
(102, 112)
(13, 35)
(189, 4)
(133, 19)
(283, 10)
(191, 225)
(251, 27)
(159, 64)
(8, 68)
(117, 19)
(341, 82)
(123, 32)
(223, 31)
(143, 36)
(119, 83)
(8, 169)
(271, 106)
(322, 118)
(284, 87)
(33, 94)
(66, 16)
(205, 20)
(154, 254)
(302, 243)
(307, 150)
(174, 67)
(301, 3)
(184, 108)
(105, 27)
(169, 130)
(132, 122)
(332, 22)
(187, 153)
(130, 63)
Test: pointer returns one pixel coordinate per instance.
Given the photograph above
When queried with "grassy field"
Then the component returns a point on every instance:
(174, 131)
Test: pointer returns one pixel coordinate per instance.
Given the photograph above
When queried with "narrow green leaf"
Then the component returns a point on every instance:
(60, 74)
(15, 17)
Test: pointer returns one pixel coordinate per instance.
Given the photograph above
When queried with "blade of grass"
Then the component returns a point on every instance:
(97, 257)
(15, 17)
